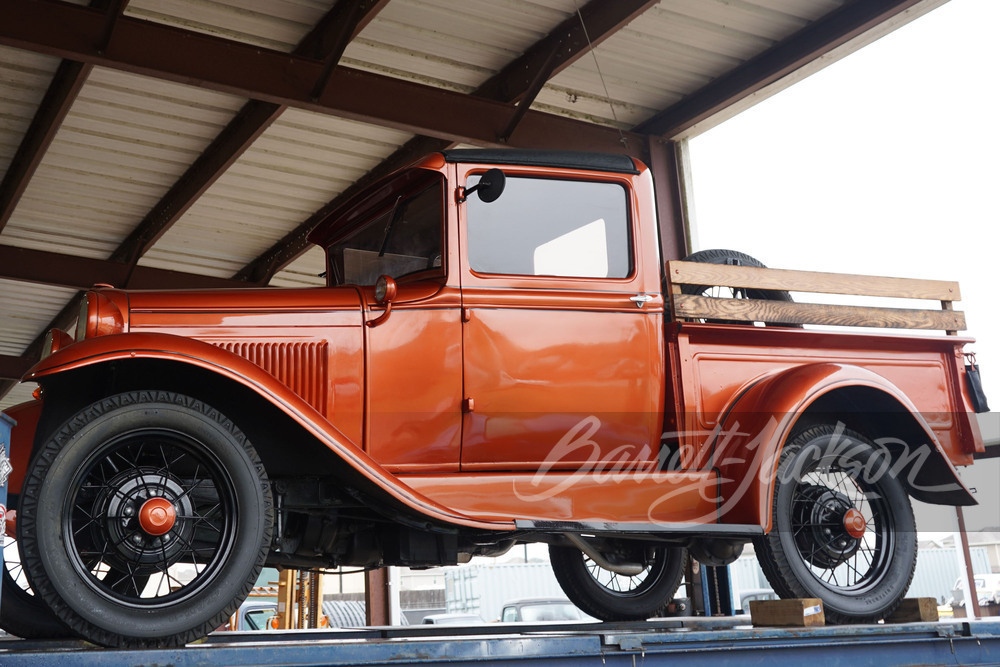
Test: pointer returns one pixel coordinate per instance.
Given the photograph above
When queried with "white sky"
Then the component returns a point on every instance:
(886, 162)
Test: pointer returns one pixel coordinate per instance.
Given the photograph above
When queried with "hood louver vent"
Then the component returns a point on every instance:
(302, 367)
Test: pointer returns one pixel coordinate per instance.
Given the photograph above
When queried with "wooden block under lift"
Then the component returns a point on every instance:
(915, 610)
(797, 612)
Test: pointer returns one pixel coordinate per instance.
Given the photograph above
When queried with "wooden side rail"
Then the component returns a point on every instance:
(696, 307)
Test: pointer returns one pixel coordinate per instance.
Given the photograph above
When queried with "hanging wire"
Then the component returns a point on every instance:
(607, 95)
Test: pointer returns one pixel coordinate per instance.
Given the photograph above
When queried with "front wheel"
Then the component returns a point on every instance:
(145, 520)
(610, 596)
(842, 527)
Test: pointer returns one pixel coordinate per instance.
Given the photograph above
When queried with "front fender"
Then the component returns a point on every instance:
(752, 431)
(166, 347)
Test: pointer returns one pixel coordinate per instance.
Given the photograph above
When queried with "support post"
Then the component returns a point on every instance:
(670, 199)
(972, 601)
(377, 597)
(286, 599)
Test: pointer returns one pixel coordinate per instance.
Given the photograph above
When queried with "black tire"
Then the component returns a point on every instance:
(818, 546)
(22, 613)
(615, 597)
(736, 258)
(145, 520)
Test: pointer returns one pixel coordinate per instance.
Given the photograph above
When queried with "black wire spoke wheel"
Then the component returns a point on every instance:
(842, 527)
(151, 518)
(146, 519)
(614, 596)
(617, 583)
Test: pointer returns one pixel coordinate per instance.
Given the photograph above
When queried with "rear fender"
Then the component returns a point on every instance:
(127, 347)
(751, 434)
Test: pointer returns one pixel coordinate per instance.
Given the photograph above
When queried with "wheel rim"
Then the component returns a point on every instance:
(623, 585)
(12, 564)
(842, 528)
(151, 518)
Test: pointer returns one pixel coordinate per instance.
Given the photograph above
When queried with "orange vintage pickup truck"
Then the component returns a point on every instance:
(500, 356)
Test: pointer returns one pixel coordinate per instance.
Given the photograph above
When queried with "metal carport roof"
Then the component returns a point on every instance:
(178, 143)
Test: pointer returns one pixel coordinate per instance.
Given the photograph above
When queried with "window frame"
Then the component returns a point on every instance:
(624, 183)
(406, 187)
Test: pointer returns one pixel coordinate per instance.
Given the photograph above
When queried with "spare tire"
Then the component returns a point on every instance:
(732, 258)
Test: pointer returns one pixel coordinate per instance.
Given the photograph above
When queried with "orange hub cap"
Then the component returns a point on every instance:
(855, 524)
(157, 516)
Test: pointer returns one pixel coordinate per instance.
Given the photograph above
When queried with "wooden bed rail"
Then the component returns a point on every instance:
(696, 307)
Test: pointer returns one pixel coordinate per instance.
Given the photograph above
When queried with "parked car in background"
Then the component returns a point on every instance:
(746, 597)
(452, 619)
(987, 590)
(539, 610)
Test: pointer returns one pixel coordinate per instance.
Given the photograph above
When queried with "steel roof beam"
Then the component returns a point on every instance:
(805, 46)
(52, 268)
(62, 92)
(566, 44)
(184, 56)
(13, 368)
(327, 40)
(65, 86)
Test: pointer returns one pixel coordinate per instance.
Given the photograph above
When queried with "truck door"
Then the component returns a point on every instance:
(562, 335)
(412, 393)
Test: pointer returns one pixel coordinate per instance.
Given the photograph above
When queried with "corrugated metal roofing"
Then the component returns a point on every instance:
(128, 138)
(125, 141)
(452, 46)
(24, 78)
(302, 161)
(278, 25)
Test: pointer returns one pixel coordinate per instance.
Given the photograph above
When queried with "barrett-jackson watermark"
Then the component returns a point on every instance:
(580, 456)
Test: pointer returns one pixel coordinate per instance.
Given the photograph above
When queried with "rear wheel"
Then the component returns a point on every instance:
(611, 596)
(842, 527)
(145, 520)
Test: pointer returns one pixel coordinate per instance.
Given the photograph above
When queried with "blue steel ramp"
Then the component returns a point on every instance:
(688, 642)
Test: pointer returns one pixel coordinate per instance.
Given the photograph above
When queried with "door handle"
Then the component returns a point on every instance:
(640, 299)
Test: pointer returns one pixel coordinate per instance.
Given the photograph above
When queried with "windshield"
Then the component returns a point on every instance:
(403, 240)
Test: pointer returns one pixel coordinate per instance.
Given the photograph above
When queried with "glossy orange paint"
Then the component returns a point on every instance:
(103, 316)
(203, 355)
(603, 495)
(483, 399)
(542, 354)
(739, 419)
(309, 339)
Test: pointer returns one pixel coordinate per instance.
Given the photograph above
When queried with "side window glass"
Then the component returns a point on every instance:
(545, 227)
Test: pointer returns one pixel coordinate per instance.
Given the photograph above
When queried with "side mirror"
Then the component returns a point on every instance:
(385, 292)
(489, 188)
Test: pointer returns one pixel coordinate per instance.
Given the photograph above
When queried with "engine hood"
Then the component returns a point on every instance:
(234, 310)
